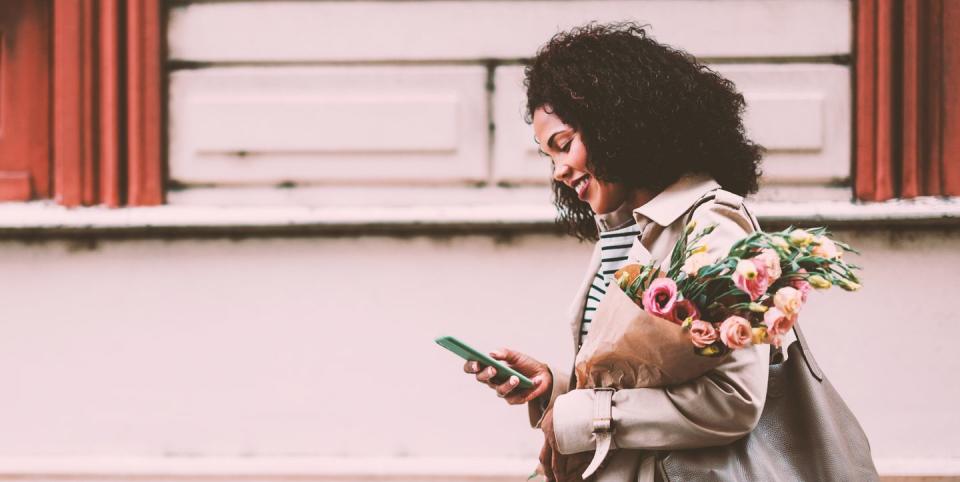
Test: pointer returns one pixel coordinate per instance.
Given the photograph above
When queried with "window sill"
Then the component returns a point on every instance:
(46, 220)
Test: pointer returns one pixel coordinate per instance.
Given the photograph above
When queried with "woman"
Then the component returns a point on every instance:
(642, 138)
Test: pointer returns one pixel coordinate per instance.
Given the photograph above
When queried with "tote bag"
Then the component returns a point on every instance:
(806, 433)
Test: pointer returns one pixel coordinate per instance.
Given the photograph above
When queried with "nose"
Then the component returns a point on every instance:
(560, 171)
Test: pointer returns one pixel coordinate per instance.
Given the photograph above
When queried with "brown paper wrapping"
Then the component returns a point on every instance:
(628, 347)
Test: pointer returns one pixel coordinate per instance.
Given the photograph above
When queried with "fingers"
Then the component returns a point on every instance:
(508, 355)
(524, 396)
(546, 462)
(539, 388)
(486, 375)
(510, 385)
(483, 374)
(509, 389)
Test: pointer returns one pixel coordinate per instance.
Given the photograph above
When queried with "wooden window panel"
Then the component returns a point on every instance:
(144, 103)
(107, 120)
(24, 100)
(356, 125)
(74, 151)
(908, 111)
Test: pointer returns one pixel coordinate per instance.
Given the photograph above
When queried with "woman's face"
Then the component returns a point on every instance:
(563, 145)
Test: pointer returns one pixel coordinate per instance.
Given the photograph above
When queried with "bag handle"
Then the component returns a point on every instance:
(801, 342)
(807, 354)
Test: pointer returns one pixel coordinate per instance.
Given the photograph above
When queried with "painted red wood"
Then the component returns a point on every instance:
(24, 100)
(74, 103)
(950, 164)
(866, 98)
(908, 106)
(15, 186)
(144, 104)
(934, 86)
(109, 102)
(911, 101)
(883, 165)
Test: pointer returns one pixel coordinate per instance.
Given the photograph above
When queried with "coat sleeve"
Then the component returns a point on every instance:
(537, 407)
(713, 409)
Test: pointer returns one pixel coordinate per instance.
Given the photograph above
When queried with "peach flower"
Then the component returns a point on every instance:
(736, 332)
(660, 296)
(702, 333)
(800, 238)
(788, 300)
(778, 324)
(696, 261)
(780, 243)
(825, 248)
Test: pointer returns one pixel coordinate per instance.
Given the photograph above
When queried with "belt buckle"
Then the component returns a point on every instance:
(604, 424)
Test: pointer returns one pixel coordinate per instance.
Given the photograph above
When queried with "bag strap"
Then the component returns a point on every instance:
(710, 196)
(801, 342)
(729, 199)
(807, 354)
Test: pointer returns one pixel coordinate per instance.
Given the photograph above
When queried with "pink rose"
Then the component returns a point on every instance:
(802, 286)
(778, 324)
(751, 277)
(788, 300)
(683, 310)
(660, 296)
(702, 333)
(771, 262)
(736, 332)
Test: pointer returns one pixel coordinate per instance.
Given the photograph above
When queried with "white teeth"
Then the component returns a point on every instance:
(581, 185)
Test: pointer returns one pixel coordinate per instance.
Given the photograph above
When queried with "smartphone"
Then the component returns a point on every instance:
(470, 354)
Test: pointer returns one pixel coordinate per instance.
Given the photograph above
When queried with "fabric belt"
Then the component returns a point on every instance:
(602, 428)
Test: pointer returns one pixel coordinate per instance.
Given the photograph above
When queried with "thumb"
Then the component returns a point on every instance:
(509, 356)
(539, 388)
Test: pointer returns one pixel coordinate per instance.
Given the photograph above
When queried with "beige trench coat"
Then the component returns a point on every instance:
(714, 409)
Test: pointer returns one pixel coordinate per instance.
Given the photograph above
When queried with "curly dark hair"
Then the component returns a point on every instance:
(646, 113)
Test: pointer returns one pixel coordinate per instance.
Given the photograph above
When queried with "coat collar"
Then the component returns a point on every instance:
(675, 200)
(612, 221)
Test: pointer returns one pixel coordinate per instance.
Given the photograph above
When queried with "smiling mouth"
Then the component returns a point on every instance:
(581, 185)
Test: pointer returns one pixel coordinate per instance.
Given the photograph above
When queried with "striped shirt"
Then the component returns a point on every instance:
(614, 246)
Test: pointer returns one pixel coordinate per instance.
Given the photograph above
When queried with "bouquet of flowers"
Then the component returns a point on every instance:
(657, 328)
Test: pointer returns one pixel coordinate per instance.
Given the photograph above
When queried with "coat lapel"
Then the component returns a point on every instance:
(576, 308)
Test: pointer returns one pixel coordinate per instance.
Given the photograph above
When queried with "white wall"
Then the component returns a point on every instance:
(429, 93)
(314, 353)
(311, 357)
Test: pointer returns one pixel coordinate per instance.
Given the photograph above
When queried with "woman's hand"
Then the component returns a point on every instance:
(537, 372)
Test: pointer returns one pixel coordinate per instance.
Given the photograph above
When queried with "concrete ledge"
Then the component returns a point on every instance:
(47, 220)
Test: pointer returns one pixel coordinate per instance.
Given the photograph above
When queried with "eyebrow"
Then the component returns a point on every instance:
(550, 141)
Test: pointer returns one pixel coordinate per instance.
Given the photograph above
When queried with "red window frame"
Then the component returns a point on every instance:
(101, 123)
(907, 104)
